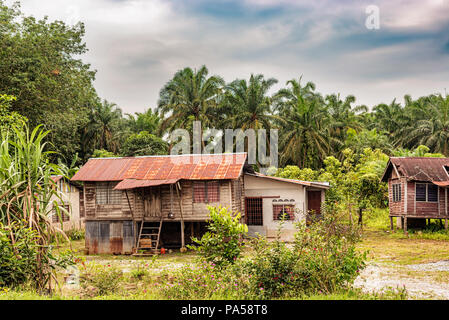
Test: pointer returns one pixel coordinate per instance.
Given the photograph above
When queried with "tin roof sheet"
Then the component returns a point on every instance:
(418, 168)
(133, 183)
(189, 167)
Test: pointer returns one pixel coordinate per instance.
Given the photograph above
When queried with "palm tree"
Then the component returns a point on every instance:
(102, 131)
(389, 118)
(190, 96)
(248, 103)
(148, 121)
(343, 116)
(430, 123)
(305, 139)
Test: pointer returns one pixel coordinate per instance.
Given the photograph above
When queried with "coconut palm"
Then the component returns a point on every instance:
(190, 96)
(248, 103)
(430, 124)
(305, 138)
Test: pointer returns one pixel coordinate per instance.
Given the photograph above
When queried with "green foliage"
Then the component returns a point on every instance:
(419, 151)
(17, 260)
(41, 66)
(103, 154)
(222, 244)
(355, 180)
(28, 194)
(143, 144)
(373, 139)
(97, 279)
(76, 234)
(323, 259)
(204, 281)
(9, 119)
(147, 121)
(21, 258)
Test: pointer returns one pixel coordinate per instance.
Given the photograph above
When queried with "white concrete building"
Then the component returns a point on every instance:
(268, 198)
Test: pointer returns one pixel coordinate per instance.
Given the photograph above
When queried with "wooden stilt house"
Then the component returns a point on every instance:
(138, 204)
(417, 190)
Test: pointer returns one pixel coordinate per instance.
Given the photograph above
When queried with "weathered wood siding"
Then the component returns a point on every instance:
(408, 206)
(154, 201)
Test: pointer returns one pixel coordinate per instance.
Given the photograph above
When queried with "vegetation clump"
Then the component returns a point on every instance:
(223, 243)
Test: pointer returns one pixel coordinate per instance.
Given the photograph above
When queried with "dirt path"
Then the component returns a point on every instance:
(380, 276)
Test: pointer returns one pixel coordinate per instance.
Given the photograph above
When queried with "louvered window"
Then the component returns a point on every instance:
(432, 193)
(105, 193)
(426, 192)
(396, 192)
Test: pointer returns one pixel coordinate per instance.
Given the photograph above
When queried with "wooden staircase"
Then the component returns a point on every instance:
(148, 240)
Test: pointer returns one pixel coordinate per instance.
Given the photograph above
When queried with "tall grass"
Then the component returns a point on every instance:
(28, 194)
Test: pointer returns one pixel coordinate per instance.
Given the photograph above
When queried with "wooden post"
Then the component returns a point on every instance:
(445, 223)
(391, 223)
(182, 216)
(405, 225)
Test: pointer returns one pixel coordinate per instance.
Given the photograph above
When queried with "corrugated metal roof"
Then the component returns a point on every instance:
(418, 168)
(324, 185)
(133, 183)
(189, 167)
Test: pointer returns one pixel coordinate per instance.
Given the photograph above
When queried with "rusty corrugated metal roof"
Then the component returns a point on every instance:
(189, 167)
(419, 168)
(133, 183)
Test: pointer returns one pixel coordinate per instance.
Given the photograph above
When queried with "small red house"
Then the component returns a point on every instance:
(417, 189)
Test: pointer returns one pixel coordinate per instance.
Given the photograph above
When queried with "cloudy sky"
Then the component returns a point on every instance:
(137, 45)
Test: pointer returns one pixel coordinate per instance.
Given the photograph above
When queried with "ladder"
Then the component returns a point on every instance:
(148, 240)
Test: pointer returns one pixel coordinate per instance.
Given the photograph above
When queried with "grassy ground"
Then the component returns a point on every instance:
(395, 252)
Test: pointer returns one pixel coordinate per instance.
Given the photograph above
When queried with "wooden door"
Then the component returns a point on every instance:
(314, 202)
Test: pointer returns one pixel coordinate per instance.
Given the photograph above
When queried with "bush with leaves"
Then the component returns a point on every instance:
(222, 244)
(322, 259)
(97, 279)
(20, 256)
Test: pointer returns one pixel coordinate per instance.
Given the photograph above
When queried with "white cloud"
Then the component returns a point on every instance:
(137, 45)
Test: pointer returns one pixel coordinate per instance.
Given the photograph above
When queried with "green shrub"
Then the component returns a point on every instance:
(75, 234)
(17, 262)
(222, 244)
(204, 281)
(322, 259)
(97, 279)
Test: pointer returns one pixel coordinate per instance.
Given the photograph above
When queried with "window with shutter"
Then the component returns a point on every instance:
(213, 191)
(206, 192)
(199, 192)
(396, 192)
(432, 193)
(105, 193)
(421, 191)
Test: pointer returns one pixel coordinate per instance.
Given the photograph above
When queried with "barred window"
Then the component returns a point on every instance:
(205, 192)
(283, 210)
(65, 216)
(397, 192)
(105, 193)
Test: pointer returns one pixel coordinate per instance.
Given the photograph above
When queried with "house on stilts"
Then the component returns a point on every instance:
(140, 204)
(417, 190)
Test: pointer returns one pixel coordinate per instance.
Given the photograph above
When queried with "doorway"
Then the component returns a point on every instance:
(254, 211)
